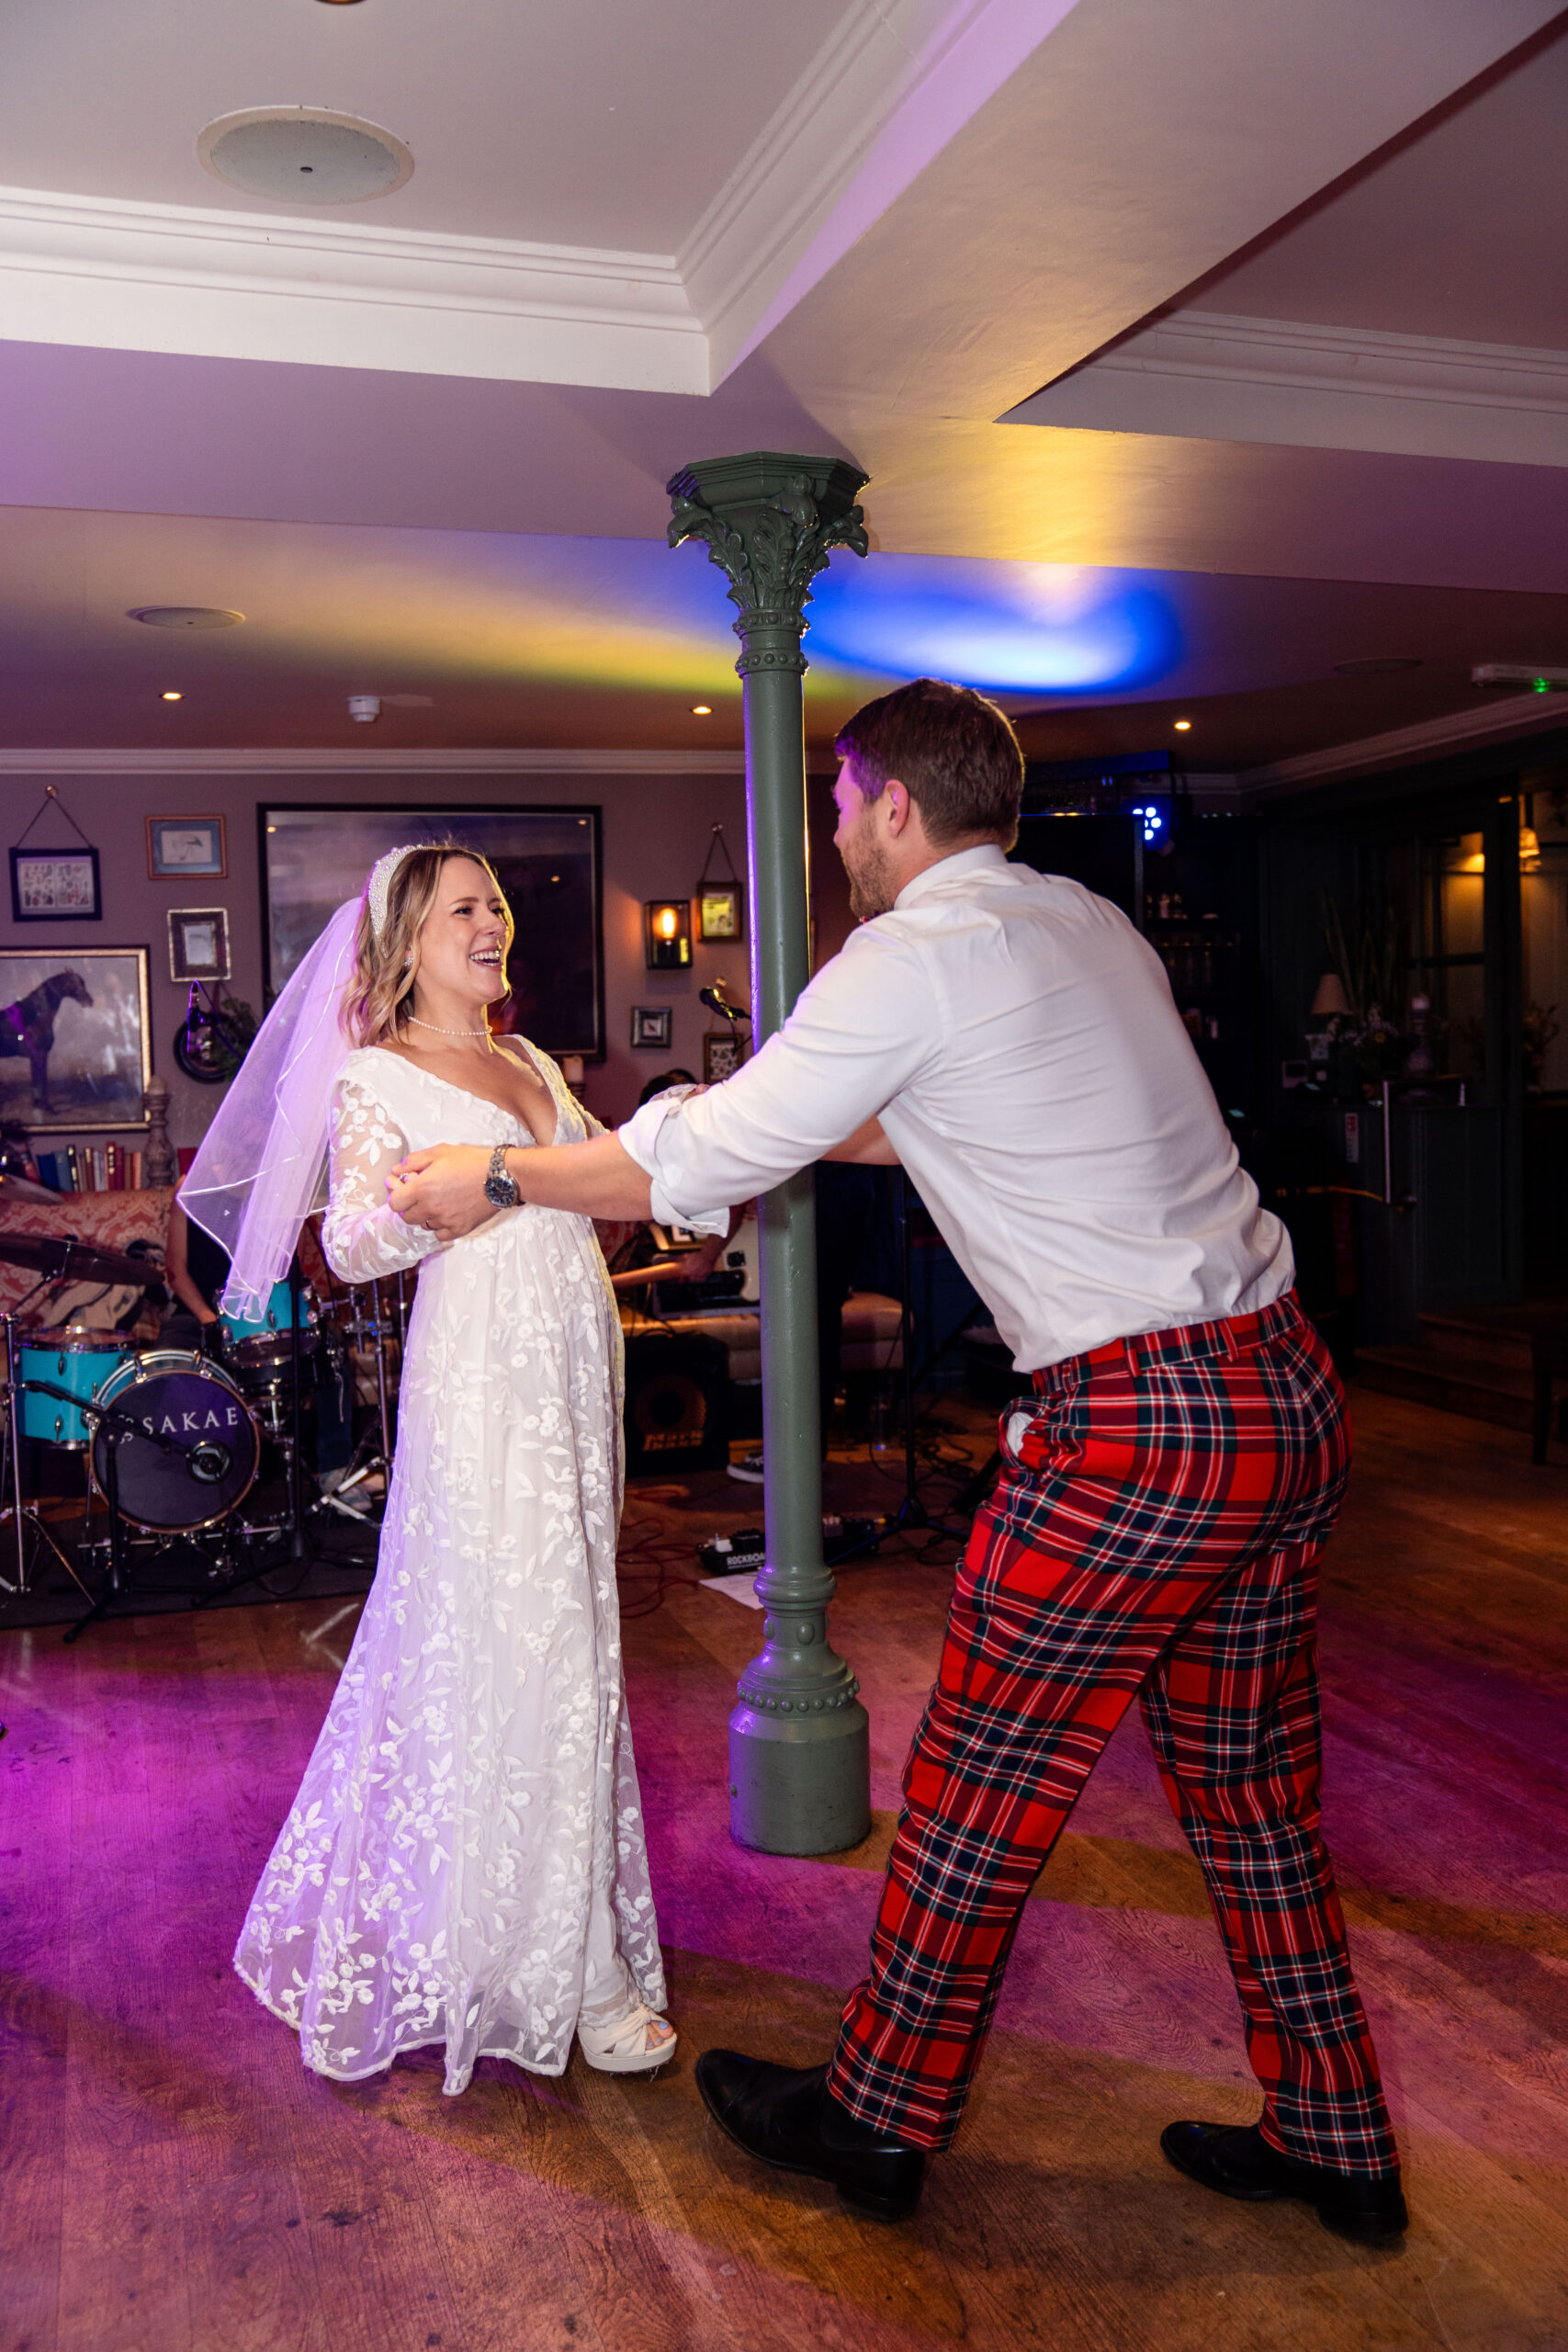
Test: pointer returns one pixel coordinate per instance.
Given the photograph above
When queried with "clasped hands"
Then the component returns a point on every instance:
(442, 1189)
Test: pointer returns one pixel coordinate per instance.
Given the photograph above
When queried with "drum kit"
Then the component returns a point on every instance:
(173, 1440)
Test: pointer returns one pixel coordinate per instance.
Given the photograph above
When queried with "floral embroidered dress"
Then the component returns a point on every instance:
(465, 1860)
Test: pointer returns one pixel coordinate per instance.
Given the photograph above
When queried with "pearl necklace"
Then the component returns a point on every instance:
(437, 1031)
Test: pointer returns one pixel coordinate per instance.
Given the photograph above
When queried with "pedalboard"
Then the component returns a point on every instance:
(745, 1552)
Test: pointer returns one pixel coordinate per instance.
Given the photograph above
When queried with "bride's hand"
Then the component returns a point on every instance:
(442, 1191)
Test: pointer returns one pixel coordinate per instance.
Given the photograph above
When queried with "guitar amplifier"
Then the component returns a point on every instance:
(677, 1413)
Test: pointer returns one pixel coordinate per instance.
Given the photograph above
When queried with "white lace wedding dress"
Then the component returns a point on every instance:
(465, 1860)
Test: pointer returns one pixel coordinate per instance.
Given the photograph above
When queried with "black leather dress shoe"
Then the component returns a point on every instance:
(1240, 2162)
(785, 2117)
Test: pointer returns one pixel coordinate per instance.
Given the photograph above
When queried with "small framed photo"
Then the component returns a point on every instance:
(722, 1055)
(187, 849)
(55, 886)
(199, 943)
(719, 914)
(653, 1025)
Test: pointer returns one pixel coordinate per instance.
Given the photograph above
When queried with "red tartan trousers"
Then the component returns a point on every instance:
(1153, 1532)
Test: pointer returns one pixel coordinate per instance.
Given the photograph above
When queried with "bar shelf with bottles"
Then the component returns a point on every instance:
(1199, 956)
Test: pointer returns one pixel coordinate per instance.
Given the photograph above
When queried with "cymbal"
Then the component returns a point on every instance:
(22, 1188)
(58, 1255)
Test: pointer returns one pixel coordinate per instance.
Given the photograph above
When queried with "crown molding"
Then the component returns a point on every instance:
(890, 86)
(138, 760)
(252, 286)
(1401, 746)
(1206, 375)
(895, 81)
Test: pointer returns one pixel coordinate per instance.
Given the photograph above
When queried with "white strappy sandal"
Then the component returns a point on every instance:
(624, 2048)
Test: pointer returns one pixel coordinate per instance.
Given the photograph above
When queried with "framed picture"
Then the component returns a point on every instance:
(75, 1044)
(653, 1025)
(718, 911)
(199, 943)
(546, 859)
(187, 849)
(55, 886)
(723, 1054)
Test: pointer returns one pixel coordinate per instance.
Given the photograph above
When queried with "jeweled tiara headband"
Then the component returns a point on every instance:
(378, 887)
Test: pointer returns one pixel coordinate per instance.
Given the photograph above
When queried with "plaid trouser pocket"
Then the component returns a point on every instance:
(1154, 1531)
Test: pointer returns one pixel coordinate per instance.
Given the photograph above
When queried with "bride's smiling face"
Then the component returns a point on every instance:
(462, 947)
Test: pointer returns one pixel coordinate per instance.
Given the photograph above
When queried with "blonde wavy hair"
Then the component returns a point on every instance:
(385, 969)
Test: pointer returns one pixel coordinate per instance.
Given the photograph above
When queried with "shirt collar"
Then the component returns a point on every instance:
(949, 870)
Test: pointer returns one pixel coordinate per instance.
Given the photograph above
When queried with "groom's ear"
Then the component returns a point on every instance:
(898, 804)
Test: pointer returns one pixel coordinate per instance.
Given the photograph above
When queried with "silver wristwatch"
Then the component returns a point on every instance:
(500, 1190)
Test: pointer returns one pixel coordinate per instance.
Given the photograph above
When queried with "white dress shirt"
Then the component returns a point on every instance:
(1017, 1038)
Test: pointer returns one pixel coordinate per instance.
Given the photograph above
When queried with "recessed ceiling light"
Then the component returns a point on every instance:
(304, 155)
(1182, 726)
(702, 710)
(171, 693)
(1376, 665)
(184, 616)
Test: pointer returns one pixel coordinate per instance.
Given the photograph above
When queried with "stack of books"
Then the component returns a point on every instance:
(82, 1168)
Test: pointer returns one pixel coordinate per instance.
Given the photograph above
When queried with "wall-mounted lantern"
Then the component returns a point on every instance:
(666, 934)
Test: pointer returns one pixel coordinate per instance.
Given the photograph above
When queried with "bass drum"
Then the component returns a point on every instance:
(195, 1405)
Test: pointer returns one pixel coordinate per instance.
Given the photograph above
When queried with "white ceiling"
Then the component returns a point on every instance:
(595, 124)
(1458, 230)
(876, 227)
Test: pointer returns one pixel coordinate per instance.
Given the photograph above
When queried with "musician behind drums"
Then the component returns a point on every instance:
(196, 1268)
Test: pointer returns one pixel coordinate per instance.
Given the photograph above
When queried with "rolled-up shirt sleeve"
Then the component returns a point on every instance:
(860, 1032)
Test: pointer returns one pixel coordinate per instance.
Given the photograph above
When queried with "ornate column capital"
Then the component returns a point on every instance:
(770, 522)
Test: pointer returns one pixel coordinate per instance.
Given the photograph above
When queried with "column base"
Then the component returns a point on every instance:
(801, 1786)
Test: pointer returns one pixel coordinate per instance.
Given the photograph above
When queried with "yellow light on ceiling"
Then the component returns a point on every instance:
(171, 693)
(702, 710)
(1182, 726)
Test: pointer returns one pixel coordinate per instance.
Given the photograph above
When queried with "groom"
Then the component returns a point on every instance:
(1164, 1491)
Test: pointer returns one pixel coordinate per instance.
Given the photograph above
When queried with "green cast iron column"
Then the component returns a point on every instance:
(799, 1739)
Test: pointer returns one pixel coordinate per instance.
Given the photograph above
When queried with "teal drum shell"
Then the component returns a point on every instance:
(80, 1361)
(277, 1316)
(210, 1449)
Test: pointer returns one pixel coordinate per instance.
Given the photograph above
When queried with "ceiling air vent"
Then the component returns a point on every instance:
(304, 155)
(184, 616)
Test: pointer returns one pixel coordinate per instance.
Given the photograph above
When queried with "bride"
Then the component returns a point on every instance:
(464, 1861)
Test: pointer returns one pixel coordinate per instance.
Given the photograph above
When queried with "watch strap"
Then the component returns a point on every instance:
(501, 1188)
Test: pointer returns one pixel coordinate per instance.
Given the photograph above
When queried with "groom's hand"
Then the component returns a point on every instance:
(442, 1189)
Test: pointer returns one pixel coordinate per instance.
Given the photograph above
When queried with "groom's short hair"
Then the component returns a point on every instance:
(952, 748)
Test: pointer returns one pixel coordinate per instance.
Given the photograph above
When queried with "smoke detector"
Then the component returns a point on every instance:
(184, 616)
(304, 155)
(365, 708)
(1526, 677)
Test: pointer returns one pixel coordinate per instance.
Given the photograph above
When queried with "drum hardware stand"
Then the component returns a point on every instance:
(117, 1427)
(358, 1471)
(22, 1514)
(292, 1529)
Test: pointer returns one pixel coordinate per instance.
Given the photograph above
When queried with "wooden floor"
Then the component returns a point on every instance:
(175, 2179)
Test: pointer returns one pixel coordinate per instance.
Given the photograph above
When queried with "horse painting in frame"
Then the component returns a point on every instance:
(77, 1019)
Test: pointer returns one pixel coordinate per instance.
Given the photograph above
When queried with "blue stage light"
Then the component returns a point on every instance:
(1012, 629)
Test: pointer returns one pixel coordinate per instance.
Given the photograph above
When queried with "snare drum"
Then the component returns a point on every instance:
(70, 1356)
(260, 1348)
(195, 1403)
